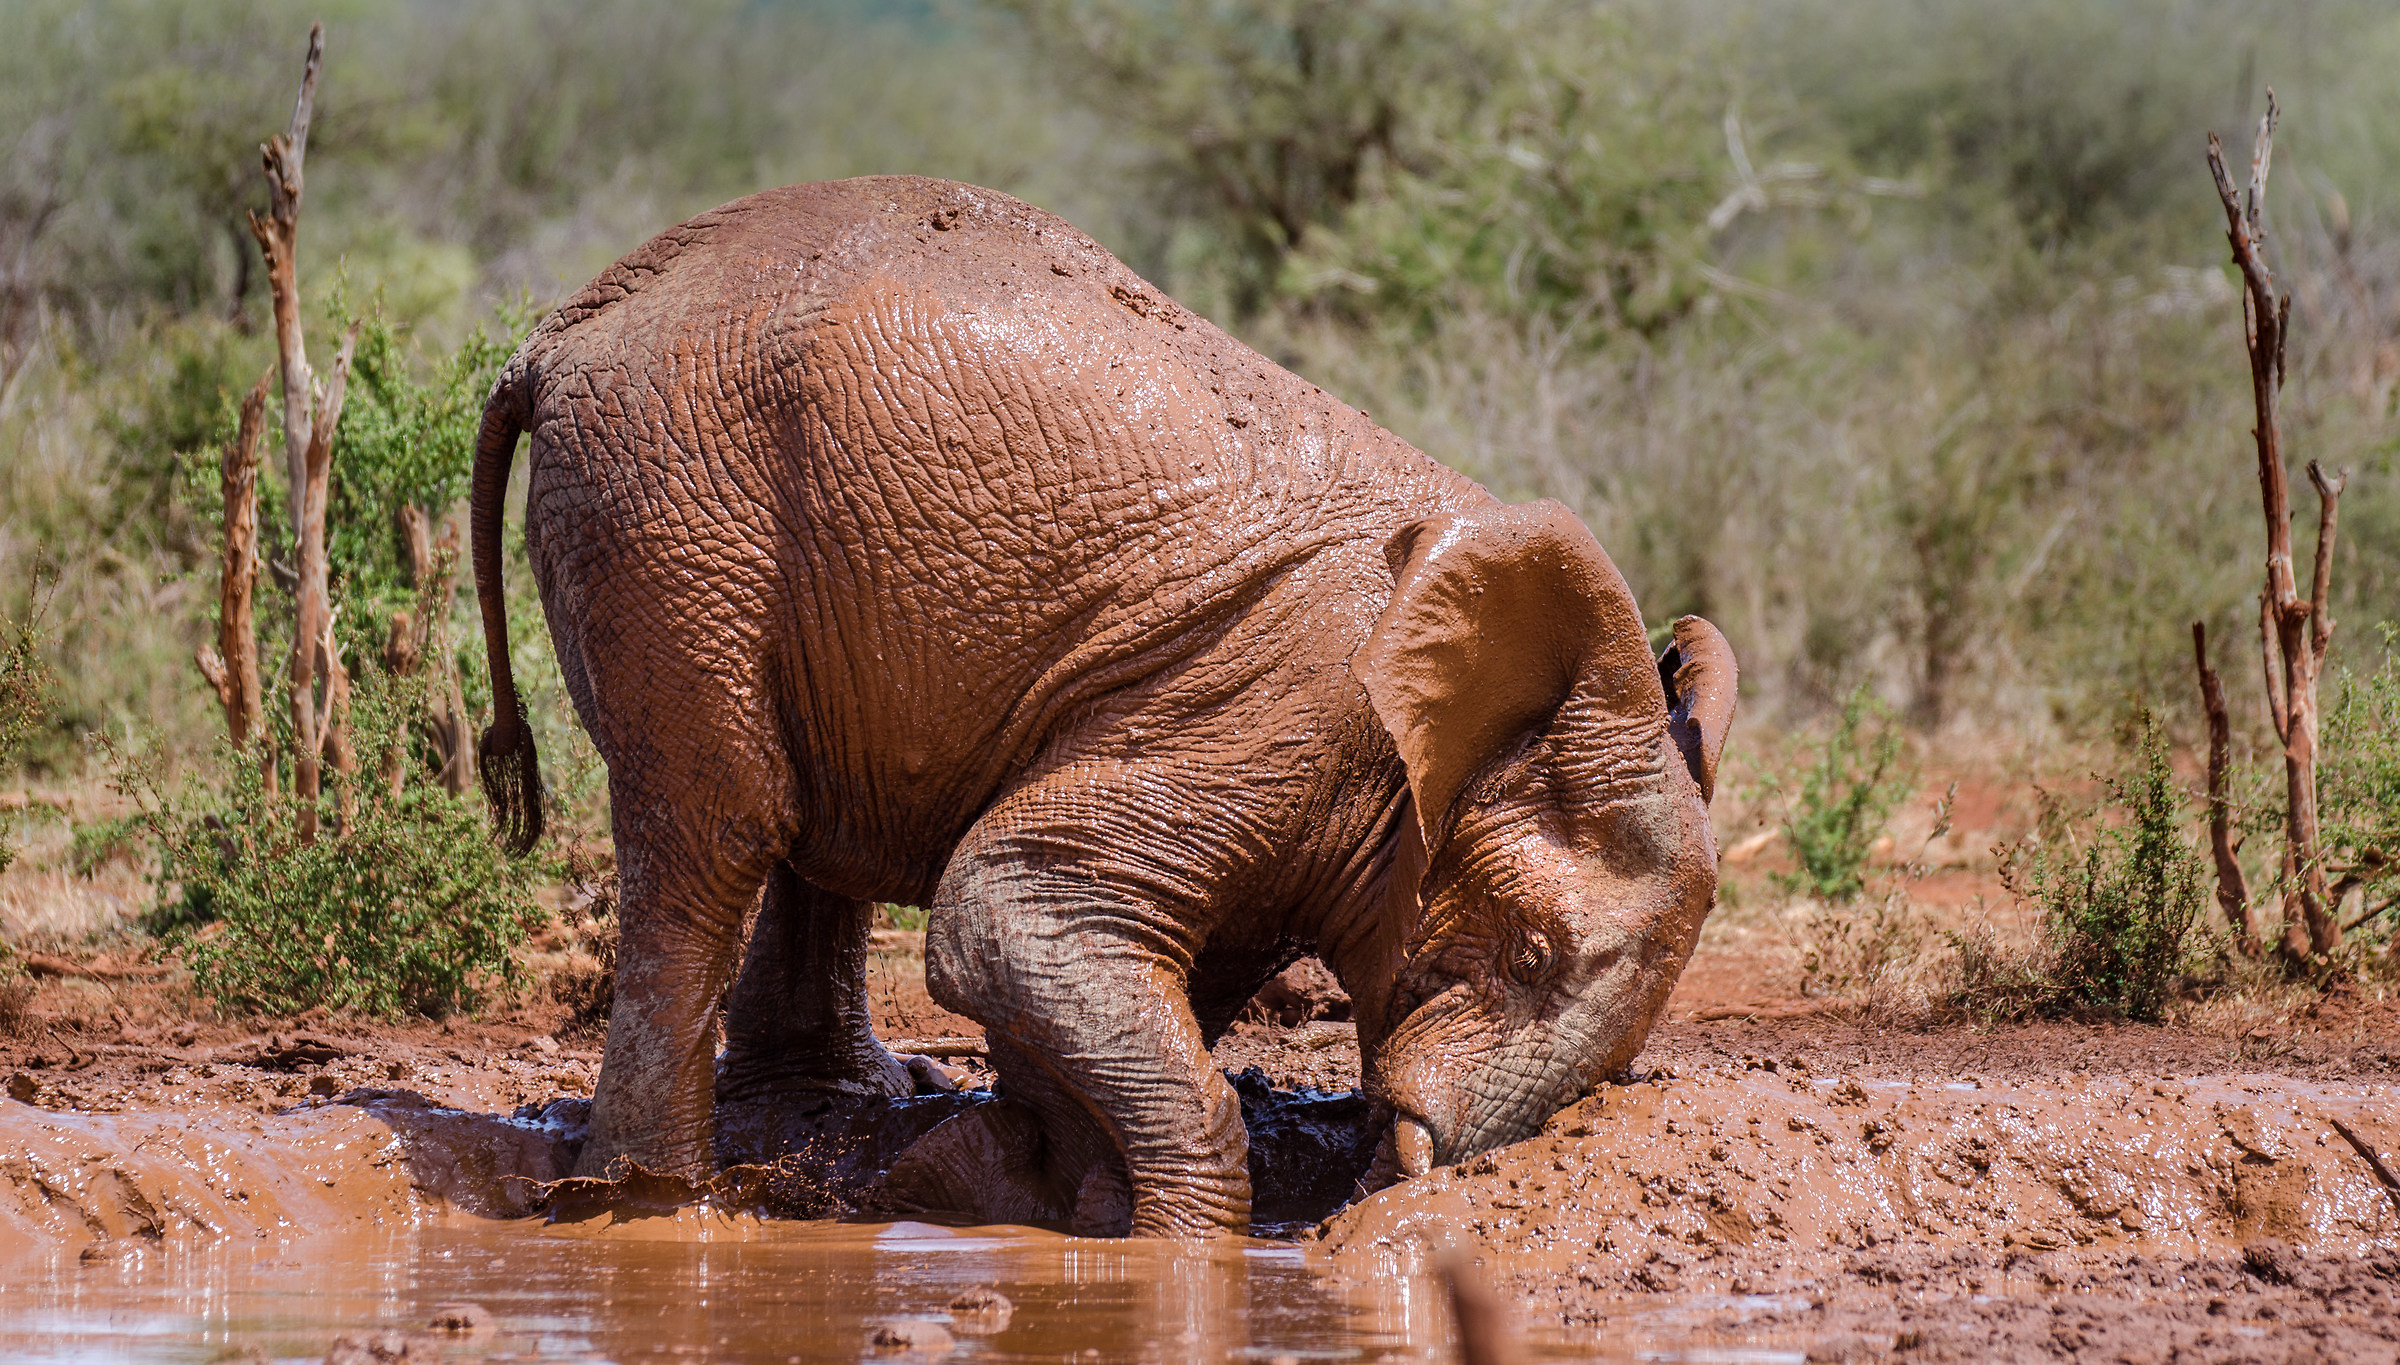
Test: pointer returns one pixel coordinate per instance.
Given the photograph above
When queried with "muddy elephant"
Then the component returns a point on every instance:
(900, 544)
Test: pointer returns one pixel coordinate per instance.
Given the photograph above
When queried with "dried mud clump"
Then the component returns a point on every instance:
(1300, 994)
(981, 1312)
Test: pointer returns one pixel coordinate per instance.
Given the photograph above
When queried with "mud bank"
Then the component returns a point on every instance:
(1765, 1205)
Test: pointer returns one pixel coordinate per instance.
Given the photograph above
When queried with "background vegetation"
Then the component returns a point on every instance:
(1894, 335)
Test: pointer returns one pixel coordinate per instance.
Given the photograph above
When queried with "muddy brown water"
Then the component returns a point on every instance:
(186, 1235)
(1753, 1212)
(696, 1286)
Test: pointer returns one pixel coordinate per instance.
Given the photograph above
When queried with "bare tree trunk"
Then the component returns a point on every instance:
(2295, 633)
(446, 703)
(232, 664)
(320, 732)
(421, 635)
(2233, 889)
(311, 412)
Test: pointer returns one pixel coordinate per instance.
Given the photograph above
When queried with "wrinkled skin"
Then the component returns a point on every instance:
(900, 545)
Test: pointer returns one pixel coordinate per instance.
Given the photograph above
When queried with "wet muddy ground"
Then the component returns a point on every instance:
(1761, 1189)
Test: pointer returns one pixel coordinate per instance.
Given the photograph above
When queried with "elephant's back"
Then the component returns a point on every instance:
(984, 470)
(800, 246)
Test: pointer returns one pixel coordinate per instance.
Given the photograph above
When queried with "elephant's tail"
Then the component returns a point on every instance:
(512, 776)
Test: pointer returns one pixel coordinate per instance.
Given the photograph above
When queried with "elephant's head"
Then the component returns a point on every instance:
(1560, 861)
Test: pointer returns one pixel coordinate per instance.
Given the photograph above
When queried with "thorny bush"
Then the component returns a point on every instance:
(404, 904)
(1846, 794)
(2358, 787)
(2118, 900)
(24, 702)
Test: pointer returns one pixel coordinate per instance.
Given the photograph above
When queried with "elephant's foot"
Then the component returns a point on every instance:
(797, 1020)
(659, 1145)
(753, 1075)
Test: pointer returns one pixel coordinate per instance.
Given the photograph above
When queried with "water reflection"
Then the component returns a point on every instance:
(700, 1288)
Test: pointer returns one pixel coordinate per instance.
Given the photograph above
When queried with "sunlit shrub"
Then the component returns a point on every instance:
(2118, 893)
(2358, 785)
(24, 700)
(1846, 794)
(402, 903)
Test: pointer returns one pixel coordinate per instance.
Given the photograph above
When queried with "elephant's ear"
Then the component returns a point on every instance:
(1495, 617)
(1700, 677)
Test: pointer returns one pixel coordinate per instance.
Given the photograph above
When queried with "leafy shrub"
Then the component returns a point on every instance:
(100, 842)
(24, 699)
(1845, 796)
(2117, 902)
(407, 443)
(2358, 782)
(404, 903)
(1575, 185)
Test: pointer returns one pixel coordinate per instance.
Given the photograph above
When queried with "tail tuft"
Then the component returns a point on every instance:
(512, 783)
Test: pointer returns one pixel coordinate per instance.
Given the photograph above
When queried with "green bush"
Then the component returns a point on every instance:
(98, 843)
(2117, 901)
(2358, 782)
(404, 904)
(1573, 189)
(1847, 793)
(24, 700)
(406, 442)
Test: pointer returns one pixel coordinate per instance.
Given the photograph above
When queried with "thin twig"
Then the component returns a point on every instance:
(2329, 502)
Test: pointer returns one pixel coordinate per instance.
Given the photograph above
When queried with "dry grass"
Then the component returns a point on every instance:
(45, 904)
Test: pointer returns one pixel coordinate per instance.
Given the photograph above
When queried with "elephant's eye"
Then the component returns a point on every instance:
(1529, 957)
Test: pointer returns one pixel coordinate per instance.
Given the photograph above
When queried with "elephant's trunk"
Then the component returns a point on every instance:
(512, 777)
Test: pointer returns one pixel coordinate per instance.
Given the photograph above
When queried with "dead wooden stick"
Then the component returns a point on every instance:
(445, 698)
(278, 234)
(2233, 888)
(319, 731)
(99, 969)
(2295, 632)
(231, 663)
(311, 414)
(420, 639)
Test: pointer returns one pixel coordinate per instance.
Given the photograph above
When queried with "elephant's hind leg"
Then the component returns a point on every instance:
(691, 870)
(797, 1017)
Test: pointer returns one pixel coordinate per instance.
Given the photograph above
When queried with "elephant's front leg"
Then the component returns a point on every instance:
(1080, 976)
(798, 1018)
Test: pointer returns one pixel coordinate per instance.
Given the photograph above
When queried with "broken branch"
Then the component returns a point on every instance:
(2233, 888)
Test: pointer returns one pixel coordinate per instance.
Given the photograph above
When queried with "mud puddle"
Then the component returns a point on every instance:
(694, 1287)
(1747, 1208)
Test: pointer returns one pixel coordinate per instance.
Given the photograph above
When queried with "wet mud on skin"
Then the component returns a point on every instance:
(1777, 1191)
